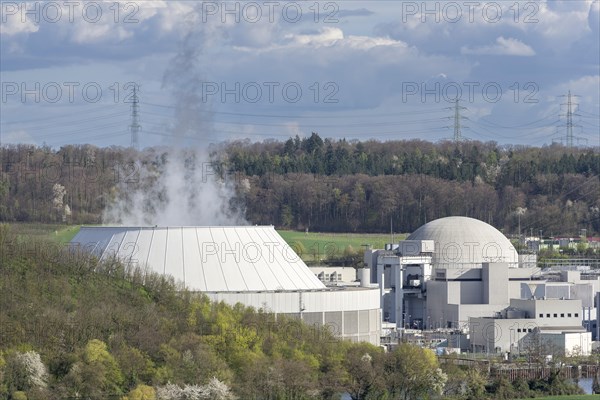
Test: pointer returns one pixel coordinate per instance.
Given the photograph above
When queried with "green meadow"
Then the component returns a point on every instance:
(316, 247)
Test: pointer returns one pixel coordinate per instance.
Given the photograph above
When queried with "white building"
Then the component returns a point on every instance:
(455, 269)
(251, 265)
(447, 271)
(335, 276)
(552, 326)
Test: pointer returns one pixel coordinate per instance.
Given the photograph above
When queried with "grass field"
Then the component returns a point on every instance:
(55, 232)
(315, 247)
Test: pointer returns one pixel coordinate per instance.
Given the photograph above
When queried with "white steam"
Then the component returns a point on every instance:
(174, 188)
(178, 186)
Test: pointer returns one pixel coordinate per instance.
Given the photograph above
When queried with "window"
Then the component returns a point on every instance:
(569, 315)
(519, 330)
(547, 315)
(576, 315)
(529, 330)
(555, 315)
(339, 277)
(562, 315)
(541, 315)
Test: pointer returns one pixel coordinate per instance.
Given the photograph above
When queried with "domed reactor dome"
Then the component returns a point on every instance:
(462, 242)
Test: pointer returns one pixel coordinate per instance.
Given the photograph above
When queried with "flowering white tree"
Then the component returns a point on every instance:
(218, 390)
(58, 192)
(214, 390)
(438, 381)
(27, 371)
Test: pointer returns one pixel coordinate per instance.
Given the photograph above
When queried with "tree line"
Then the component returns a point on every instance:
(331, 185)
(336, 185)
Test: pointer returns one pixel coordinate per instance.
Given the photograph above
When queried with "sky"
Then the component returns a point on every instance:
(208, 72)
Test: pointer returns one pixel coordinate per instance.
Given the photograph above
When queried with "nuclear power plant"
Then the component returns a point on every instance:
(453, 274)
(462, 275)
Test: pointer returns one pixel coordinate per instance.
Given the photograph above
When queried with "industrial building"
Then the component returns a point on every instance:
(445, 272)
(335, 276)
(456, 273)
(251, 265)
(551, 324)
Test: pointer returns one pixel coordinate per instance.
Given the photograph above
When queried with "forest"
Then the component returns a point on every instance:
(74, 328)
(330, 185)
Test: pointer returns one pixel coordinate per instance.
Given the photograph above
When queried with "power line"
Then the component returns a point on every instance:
(68, 114)
(69, 123)
(354, 115)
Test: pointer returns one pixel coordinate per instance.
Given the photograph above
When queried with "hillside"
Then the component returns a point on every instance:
(73, 328)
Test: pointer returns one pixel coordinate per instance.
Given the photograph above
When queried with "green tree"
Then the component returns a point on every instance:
(412, 372)
(364, 368)
(475, 385)
(141, 392)
(96, 375)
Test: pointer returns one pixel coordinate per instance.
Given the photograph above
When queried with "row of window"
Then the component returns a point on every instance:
(329, 278)
(524, 330)
(562, 315)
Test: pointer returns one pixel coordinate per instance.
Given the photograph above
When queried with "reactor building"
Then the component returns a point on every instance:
(460, 273)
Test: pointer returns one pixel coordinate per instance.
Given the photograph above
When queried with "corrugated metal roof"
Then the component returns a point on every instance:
(210, 258)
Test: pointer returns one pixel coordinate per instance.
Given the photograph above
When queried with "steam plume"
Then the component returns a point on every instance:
(177, 185)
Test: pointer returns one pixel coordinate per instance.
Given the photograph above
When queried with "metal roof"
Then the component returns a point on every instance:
(209, 258)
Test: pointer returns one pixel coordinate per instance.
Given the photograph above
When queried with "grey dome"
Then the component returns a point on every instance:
(463, 242)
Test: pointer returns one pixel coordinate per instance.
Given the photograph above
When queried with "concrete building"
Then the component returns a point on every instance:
(455, 269)
(553, 326)
(335, 276)
(447, 271)
(251, 265)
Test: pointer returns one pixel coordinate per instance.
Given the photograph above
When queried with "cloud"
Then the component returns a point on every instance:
(359, 12)
(14, 24)
(594, 16)
(502, 47)
(325, 37)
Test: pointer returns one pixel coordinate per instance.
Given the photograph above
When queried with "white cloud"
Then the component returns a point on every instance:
(93, 33)
(502, 47)
(585, 86)
(15, 23)
(326, 37)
